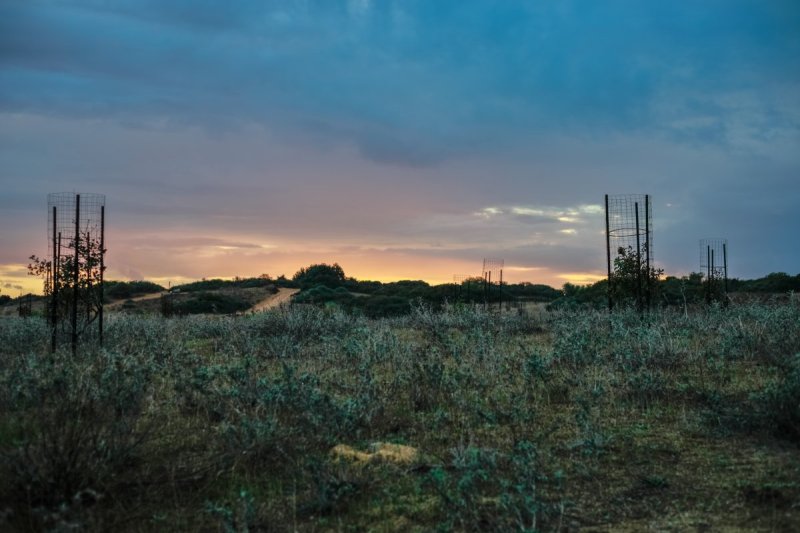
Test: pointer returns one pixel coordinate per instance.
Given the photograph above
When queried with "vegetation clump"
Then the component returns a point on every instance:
(123, 290)
(458, 418)
(211, 303)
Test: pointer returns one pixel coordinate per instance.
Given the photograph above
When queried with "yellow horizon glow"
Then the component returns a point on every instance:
(582, 278)
(17, 274)
(440, 273)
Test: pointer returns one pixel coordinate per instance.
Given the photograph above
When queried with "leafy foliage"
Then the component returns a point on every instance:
(330, 276)
(211, 303)
(120, 290)
(78, 275)
(519, 422)
(206, 285)
(631, 280)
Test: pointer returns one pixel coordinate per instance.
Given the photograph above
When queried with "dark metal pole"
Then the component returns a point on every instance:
(489, 291)
(713, 273)
(608, 257)
(638, 260)
(484, 290)
(88, 278)
(58, 264)
(708, 274)
(76, 274)
(102, 268)
(725, 268)
(500, 299)
(54, 287)
(647, 244)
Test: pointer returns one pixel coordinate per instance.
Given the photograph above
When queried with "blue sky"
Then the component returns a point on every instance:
(404, 139)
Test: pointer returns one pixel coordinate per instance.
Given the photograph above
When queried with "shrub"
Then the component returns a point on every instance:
(74, 423)
(781, 400)
(211, 303)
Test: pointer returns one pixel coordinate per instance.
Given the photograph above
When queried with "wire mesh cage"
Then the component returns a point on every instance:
(630, 222)
(713, 255)
(493, 275)
(88, 207)
(465, 287)
(714, 265)
(629, 248)
(493, 266)
(76, 254)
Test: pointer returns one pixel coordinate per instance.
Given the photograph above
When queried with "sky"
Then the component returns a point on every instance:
(403, 139)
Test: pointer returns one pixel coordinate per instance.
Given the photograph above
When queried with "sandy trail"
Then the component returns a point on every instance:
(283, 296)
(119, 303)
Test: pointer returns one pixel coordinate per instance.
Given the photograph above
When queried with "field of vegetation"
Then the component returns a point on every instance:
(310, 419)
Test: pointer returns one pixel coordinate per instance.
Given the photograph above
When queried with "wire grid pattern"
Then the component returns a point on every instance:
(492, 265)
(66, 203)
(622, 223)
(719, 248)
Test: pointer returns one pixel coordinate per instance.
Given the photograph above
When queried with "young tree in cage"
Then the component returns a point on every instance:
(89, 276)
(630, 281)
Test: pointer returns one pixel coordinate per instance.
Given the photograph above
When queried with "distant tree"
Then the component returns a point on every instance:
(533, 292)
(321, 294)
(594, 295)
(777, 282)
(682, 291)
(121, 290)
(365, 287)
(331, 276)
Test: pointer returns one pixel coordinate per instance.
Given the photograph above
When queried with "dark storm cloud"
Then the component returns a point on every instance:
(409, 82)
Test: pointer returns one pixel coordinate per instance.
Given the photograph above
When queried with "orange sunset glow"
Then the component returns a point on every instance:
(372, 140)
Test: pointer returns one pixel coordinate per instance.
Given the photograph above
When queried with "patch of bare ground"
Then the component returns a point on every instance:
(282, 297)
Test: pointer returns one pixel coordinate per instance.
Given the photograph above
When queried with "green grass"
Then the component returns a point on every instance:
(538, 422)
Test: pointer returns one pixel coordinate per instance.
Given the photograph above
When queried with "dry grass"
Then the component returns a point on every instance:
(310, 420)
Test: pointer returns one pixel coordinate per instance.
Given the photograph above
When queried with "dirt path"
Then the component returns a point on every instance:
(120, 303)
(275, 300)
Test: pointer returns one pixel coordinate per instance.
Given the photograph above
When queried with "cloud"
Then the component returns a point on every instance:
(410, 83)
(444, 129)
(188, 243)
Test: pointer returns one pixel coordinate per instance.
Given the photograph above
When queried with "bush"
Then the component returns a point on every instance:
(71, 424)
(211, 303)
(386, 306)
(781, 400)
(119, 290)
(331, 276)
(322, 294)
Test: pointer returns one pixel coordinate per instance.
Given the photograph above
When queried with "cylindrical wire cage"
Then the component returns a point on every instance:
(461, 287)
(629, 215)
(76, 255)
(629, 238)
(714, 265)
(493, 275)
(66, 204)
(493, 265)
(714, 255)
